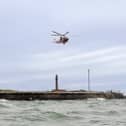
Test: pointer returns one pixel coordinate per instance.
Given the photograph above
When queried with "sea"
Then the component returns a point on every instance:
(90, 112)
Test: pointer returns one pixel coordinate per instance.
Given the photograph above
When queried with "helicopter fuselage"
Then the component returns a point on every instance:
(61, 37)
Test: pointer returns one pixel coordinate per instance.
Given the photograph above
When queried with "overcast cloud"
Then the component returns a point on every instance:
(29, 59)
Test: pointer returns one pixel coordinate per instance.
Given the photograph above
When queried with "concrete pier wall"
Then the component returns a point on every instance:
(58, 95)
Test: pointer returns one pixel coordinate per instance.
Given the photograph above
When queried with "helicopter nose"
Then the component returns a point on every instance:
(67, 39)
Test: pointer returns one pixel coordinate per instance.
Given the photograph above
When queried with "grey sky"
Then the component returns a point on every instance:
(29, 59)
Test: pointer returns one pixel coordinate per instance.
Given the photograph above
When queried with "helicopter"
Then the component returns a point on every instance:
(62, 39)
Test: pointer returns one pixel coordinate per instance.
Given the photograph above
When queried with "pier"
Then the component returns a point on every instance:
(61, 95)
(58, 94)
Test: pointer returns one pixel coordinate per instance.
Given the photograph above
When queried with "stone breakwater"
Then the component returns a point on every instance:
(53, 95)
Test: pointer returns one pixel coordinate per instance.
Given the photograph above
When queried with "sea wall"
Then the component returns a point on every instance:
(58, 95)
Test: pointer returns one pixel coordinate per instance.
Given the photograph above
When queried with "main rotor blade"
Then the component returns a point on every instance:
(66, 33)
(57, 33)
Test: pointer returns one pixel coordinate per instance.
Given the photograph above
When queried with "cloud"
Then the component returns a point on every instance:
(94, 54)
(69, 58)
(28, 56)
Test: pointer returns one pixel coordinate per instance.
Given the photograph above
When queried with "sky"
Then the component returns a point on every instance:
(29, 59)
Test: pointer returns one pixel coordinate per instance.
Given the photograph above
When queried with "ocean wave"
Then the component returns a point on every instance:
(6, 104)
(65, 113)
(56, 115)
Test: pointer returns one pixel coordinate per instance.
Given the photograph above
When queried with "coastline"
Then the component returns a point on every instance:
(58, 95)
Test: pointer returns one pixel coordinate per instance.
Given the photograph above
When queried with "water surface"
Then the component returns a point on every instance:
(91, 112)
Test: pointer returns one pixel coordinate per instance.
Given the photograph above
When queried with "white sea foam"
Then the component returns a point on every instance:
(3, 100)
(101, 99)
